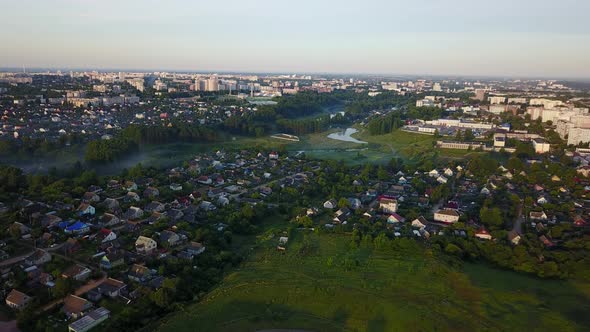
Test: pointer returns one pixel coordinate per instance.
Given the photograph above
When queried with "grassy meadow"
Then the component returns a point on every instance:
(323, 283)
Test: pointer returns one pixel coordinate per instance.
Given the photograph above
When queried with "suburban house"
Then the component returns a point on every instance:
(133, 213)
(132, 196)
(74, 306)
(151, 192)
(106, 235)
(395, 218)
(419, 222)
(77, 228)
(139, 273)
(388, 205)
(169, 238)
(130, 186)
(39, 257)
(17, 300)
(145, 245)
(50, 220)
(111, 260)
(175, 187)
(195, 248)
(108, 220)
(534, 215)
(354, 203)
(86, 208)
(91, 197)
(341, 215)
(222, 201)
(203, 179)
(330, 204)
(546, 242)
(91, 320)
(110, 287)
(207, 206)
(448, 172)
(447, 216)
(76, 272)
(155, 207)
(110, 204)
(483, 234)
(514, 237)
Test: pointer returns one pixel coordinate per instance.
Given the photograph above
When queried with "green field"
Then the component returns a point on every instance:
(322, 283)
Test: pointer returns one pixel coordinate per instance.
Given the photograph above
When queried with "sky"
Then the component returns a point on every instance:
(504, 38)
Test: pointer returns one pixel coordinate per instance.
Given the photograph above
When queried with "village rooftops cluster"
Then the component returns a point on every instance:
(102, 231)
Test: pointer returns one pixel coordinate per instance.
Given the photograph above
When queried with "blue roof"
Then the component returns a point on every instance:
(78, 225)
(63, 224)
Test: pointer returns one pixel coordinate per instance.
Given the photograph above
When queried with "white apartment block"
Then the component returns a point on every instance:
(578, 135)
(535, 112)
(517, 100)
(547, 103)
(389, 86)
(541, 146)
(565, 124)
(497, 109)
(497, 100)
(563, 128)
(424, 103)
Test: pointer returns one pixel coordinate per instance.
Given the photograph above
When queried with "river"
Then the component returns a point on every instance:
(345, 136)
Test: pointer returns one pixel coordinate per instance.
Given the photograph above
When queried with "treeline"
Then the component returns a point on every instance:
(363, 103)
(304, 103)
(131, 137)
(108, 150)
(39, 146)
(251, 124)
(177, 132)
(385, 124)
(396, 119)
(14, 183)
(424, 112)
(308, 126)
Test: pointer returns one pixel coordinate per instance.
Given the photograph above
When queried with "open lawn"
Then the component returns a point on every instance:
(410, 146)
(323, 283)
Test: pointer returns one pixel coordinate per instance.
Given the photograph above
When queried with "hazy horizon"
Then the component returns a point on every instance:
(532, 39)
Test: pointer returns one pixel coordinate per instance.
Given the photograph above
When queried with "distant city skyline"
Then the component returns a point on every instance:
(426, 37)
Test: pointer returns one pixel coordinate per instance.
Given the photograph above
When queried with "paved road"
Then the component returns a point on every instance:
(14, 260)
(519, 220)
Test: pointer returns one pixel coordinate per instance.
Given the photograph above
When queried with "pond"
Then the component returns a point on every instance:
(345, 136)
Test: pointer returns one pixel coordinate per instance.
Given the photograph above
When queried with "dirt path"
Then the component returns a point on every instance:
(519, 220)
(80, 291)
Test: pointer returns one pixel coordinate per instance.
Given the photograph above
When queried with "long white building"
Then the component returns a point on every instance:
(460, 124)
